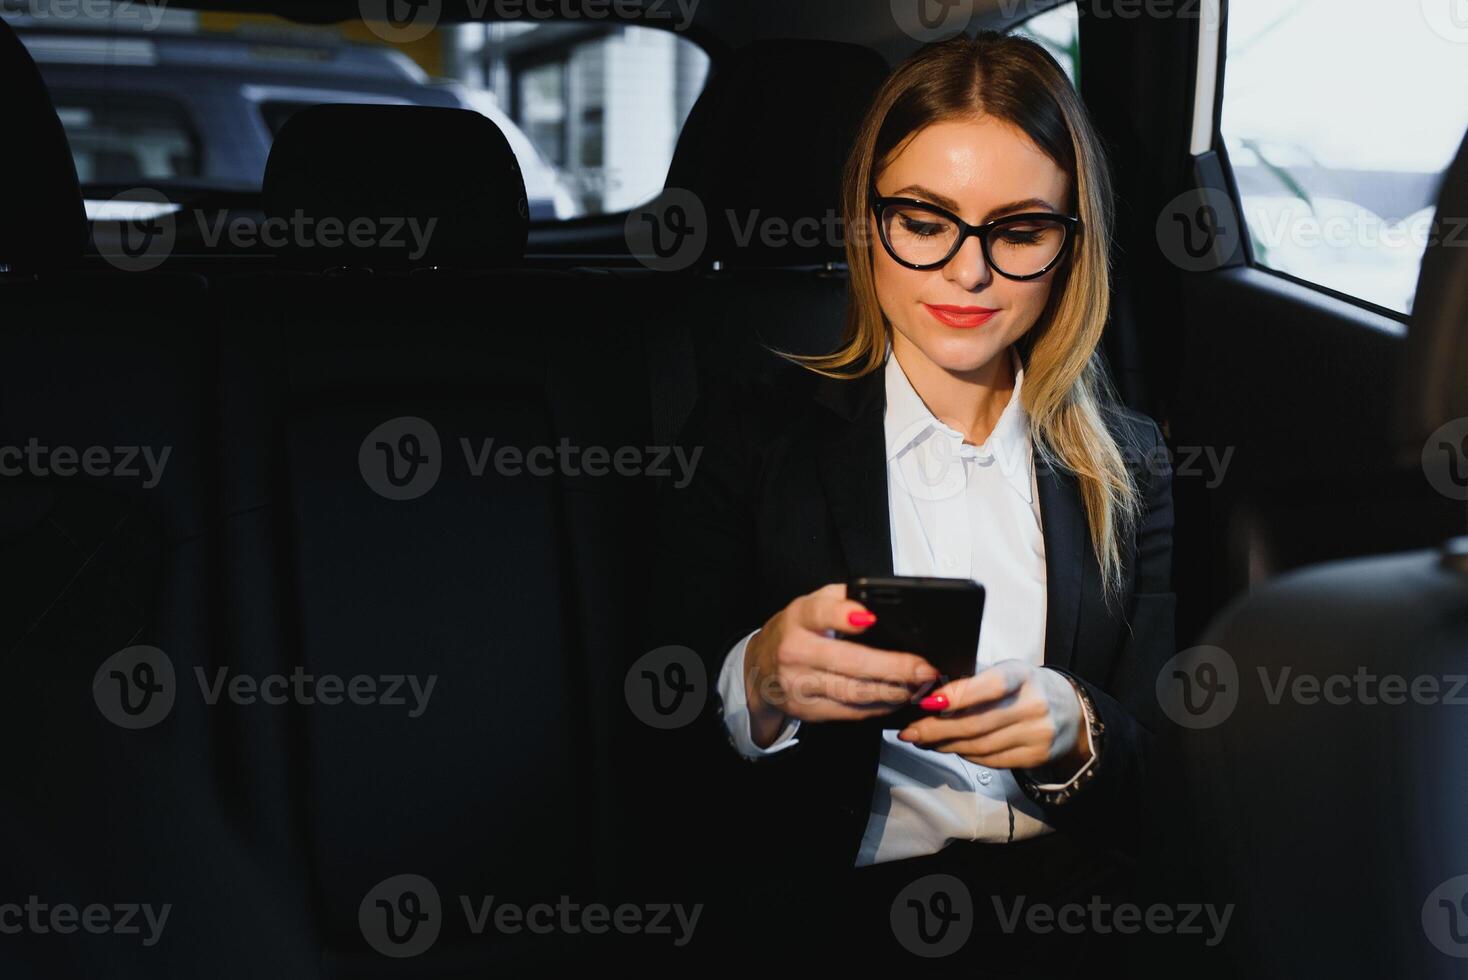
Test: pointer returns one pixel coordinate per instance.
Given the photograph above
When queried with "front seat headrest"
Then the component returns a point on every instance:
(1434, 383)
(767, 141)
(421, 186)
(42, 220)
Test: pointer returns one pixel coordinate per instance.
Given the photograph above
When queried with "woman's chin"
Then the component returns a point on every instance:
(961, 351)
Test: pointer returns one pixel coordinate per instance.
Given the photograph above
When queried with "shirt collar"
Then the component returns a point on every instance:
(908, 421)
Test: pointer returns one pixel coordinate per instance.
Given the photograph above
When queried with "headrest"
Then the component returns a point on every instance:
(42, 219)
(421, 186)
(1433, 388)
(767, 140)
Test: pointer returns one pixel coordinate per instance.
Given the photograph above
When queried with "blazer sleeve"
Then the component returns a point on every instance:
(1108, 808)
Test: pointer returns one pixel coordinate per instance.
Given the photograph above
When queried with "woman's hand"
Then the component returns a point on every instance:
(793, 667)
(1011, 715)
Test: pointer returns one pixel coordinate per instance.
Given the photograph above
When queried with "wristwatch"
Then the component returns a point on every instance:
(1097, 729)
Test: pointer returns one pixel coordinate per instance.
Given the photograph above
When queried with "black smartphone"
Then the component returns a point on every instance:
(936, 618)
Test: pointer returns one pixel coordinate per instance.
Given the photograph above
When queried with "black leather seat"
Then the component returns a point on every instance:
(339, 374)
(108, 534)
(1329, 799)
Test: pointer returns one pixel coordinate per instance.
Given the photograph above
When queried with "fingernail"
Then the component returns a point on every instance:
(907, 734)
(934, 702)
(861, 617)
(927, 673)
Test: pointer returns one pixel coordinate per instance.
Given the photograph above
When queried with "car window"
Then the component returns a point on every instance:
(1337, 175)
(193, 100)
(604, 106)
(127, 138)
(1059, 31)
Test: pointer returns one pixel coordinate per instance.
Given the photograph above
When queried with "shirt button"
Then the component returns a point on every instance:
(985, 777)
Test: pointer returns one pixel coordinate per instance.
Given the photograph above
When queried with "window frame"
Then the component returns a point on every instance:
(1212, 62)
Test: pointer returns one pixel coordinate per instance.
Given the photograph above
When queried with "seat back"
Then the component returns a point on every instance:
(122, 782)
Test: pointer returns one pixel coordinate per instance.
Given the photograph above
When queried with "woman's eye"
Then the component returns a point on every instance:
(922, 227)
(1021, 236)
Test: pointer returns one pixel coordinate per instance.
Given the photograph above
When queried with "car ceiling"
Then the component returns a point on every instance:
(732, 22)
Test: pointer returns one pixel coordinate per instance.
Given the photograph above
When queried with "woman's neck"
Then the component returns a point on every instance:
(970, 402)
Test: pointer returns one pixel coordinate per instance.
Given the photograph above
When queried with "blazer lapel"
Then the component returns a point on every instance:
(852, 460)
(1063, 524)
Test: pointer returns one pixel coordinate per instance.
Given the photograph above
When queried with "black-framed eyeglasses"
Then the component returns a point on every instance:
(922, 236)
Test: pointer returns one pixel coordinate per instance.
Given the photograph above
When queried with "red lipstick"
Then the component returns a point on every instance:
(963, 317)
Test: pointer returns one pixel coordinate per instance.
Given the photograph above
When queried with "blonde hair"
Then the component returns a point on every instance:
(1066, 392)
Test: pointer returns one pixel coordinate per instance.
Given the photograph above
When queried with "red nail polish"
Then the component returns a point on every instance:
(861, 618)
(934, 702)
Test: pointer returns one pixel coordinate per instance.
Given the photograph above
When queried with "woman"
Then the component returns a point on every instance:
(963, 429)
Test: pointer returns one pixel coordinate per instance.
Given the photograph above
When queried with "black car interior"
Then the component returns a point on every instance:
(261, 551)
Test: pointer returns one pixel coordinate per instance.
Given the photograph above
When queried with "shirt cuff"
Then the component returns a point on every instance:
(735, 708)
(1087, 721)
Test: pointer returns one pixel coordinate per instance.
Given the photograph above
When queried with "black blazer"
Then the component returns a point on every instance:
(789, 493)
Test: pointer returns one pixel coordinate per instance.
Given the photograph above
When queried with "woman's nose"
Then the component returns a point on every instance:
(967, 268)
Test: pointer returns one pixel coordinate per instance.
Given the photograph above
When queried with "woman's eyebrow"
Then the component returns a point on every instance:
(942, 200)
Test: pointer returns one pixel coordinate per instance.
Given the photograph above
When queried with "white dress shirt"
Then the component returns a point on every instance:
(957, 511)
